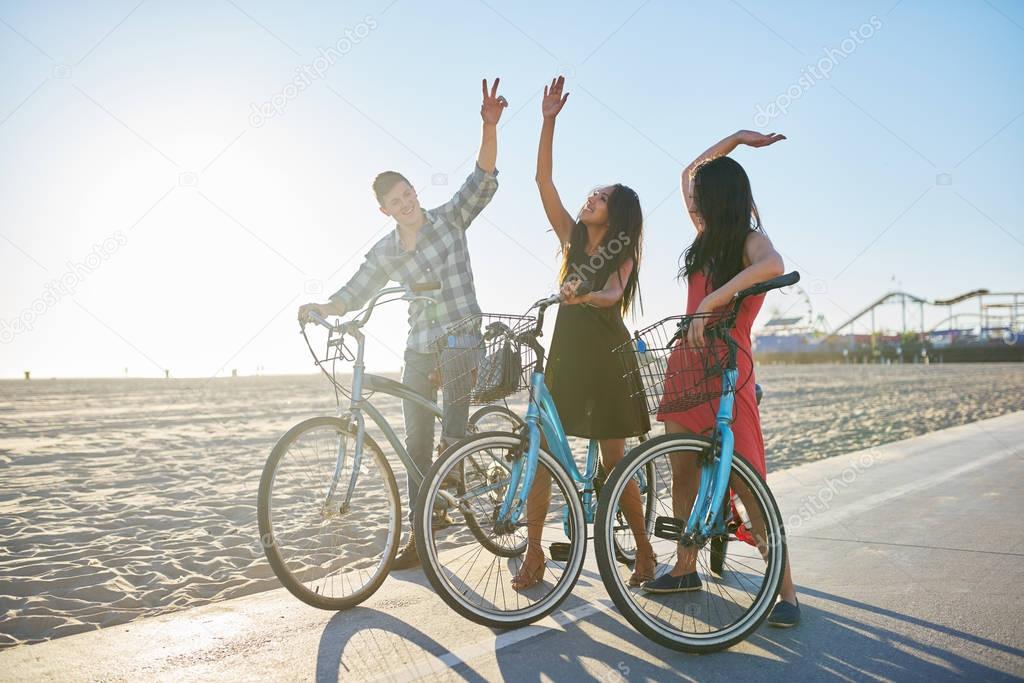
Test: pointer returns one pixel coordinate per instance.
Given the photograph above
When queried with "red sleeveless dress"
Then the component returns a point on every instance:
(746, 426)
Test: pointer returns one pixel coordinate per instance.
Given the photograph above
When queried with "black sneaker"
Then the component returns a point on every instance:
(408, 557)
(666, 583)
(784, 614)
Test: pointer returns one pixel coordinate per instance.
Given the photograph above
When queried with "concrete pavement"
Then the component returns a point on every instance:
(909, 559)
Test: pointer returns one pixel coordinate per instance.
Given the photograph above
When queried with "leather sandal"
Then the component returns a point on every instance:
(641, 573)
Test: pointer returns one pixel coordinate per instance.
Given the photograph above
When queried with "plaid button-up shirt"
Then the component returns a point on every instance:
(441, 255)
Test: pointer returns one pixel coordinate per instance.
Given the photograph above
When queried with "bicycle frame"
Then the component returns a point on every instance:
(359, 404)
(542, 416)
(706, 518)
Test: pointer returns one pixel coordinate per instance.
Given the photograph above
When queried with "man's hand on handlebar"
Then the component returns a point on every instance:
(323, 310)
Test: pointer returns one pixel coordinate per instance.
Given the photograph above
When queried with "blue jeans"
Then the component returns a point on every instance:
(419, 422)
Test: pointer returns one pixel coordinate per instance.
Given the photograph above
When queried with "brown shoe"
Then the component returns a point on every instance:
(408, 557)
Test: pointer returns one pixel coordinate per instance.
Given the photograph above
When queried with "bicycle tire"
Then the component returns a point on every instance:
(432, 483)
(269, 542)
(479, 532)
(621, 596)
(622, 554)
(494, 409)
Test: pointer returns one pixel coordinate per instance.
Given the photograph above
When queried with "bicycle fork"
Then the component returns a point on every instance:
(524, 468)
(706, 517)
(341, 456)
(355, 415)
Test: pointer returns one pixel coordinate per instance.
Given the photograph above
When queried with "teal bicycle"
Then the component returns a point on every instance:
(706, 499)
(471, 552)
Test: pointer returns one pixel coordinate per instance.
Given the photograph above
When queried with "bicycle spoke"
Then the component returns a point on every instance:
(474, 561)
(333, 554)
(725, 603)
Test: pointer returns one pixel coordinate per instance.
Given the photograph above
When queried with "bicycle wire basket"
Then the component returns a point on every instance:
(481, 359)
(670, 373)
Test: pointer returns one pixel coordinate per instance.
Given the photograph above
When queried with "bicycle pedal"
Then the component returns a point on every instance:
(559, 552)
(669, 528)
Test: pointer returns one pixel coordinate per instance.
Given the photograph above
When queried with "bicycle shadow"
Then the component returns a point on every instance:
(864, 640)
(355, 643)
(838, 637)
(854, 641)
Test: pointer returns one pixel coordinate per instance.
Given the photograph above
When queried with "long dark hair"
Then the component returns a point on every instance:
(624, 240)
(725, 205)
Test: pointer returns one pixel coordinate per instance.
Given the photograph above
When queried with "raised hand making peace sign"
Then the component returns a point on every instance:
(493, 105)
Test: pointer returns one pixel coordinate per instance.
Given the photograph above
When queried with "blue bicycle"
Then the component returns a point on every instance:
(471, 552)
(706, 499)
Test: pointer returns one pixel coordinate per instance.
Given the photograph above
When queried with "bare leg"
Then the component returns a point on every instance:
(685, 481)
(532, 568)
(760, 533)
(612, 451)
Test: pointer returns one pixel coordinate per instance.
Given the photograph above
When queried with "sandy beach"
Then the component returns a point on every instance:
(127, 498)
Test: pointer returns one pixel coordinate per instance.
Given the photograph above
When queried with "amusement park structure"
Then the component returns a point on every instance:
(991, 331)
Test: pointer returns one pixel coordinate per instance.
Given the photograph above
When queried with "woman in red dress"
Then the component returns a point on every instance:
(729, 253)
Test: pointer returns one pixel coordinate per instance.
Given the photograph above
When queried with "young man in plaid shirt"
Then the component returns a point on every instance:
(426, 246)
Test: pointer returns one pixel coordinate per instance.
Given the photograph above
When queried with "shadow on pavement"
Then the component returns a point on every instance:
(359, 644)
(856, 641)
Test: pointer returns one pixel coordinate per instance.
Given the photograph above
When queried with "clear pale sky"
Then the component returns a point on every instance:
(127, 127)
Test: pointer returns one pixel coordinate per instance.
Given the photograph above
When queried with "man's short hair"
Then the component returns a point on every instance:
(385, 182)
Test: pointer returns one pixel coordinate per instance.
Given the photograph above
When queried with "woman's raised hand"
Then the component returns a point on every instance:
(493, 104)
(754, 139)
(553, 100)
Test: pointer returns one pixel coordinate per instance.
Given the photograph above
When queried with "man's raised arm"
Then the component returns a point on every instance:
(479, 188)
(490, 112)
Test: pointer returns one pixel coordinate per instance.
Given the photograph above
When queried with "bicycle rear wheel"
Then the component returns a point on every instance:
(328, 554)
(494, 418)
(728, 607)
(470, 576)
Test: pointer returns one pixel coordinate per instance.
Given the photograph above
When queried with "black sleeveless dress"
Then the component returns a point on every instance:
(588, 381)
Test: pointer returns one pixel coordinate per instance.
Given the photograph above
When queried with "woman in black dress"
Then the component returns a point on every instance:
(585, 376)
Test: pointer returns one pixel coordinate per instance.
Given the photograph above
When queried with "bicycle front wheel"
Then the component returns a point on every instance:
(726, 608)
(625, 542)
(470, 576)
(330, 551)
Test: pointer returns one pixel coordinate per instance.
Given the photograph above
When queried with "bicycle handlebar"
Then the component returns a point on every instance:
(760, 288)
(582, 289)
(315, 317)
(768, 285)
(360, 320)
